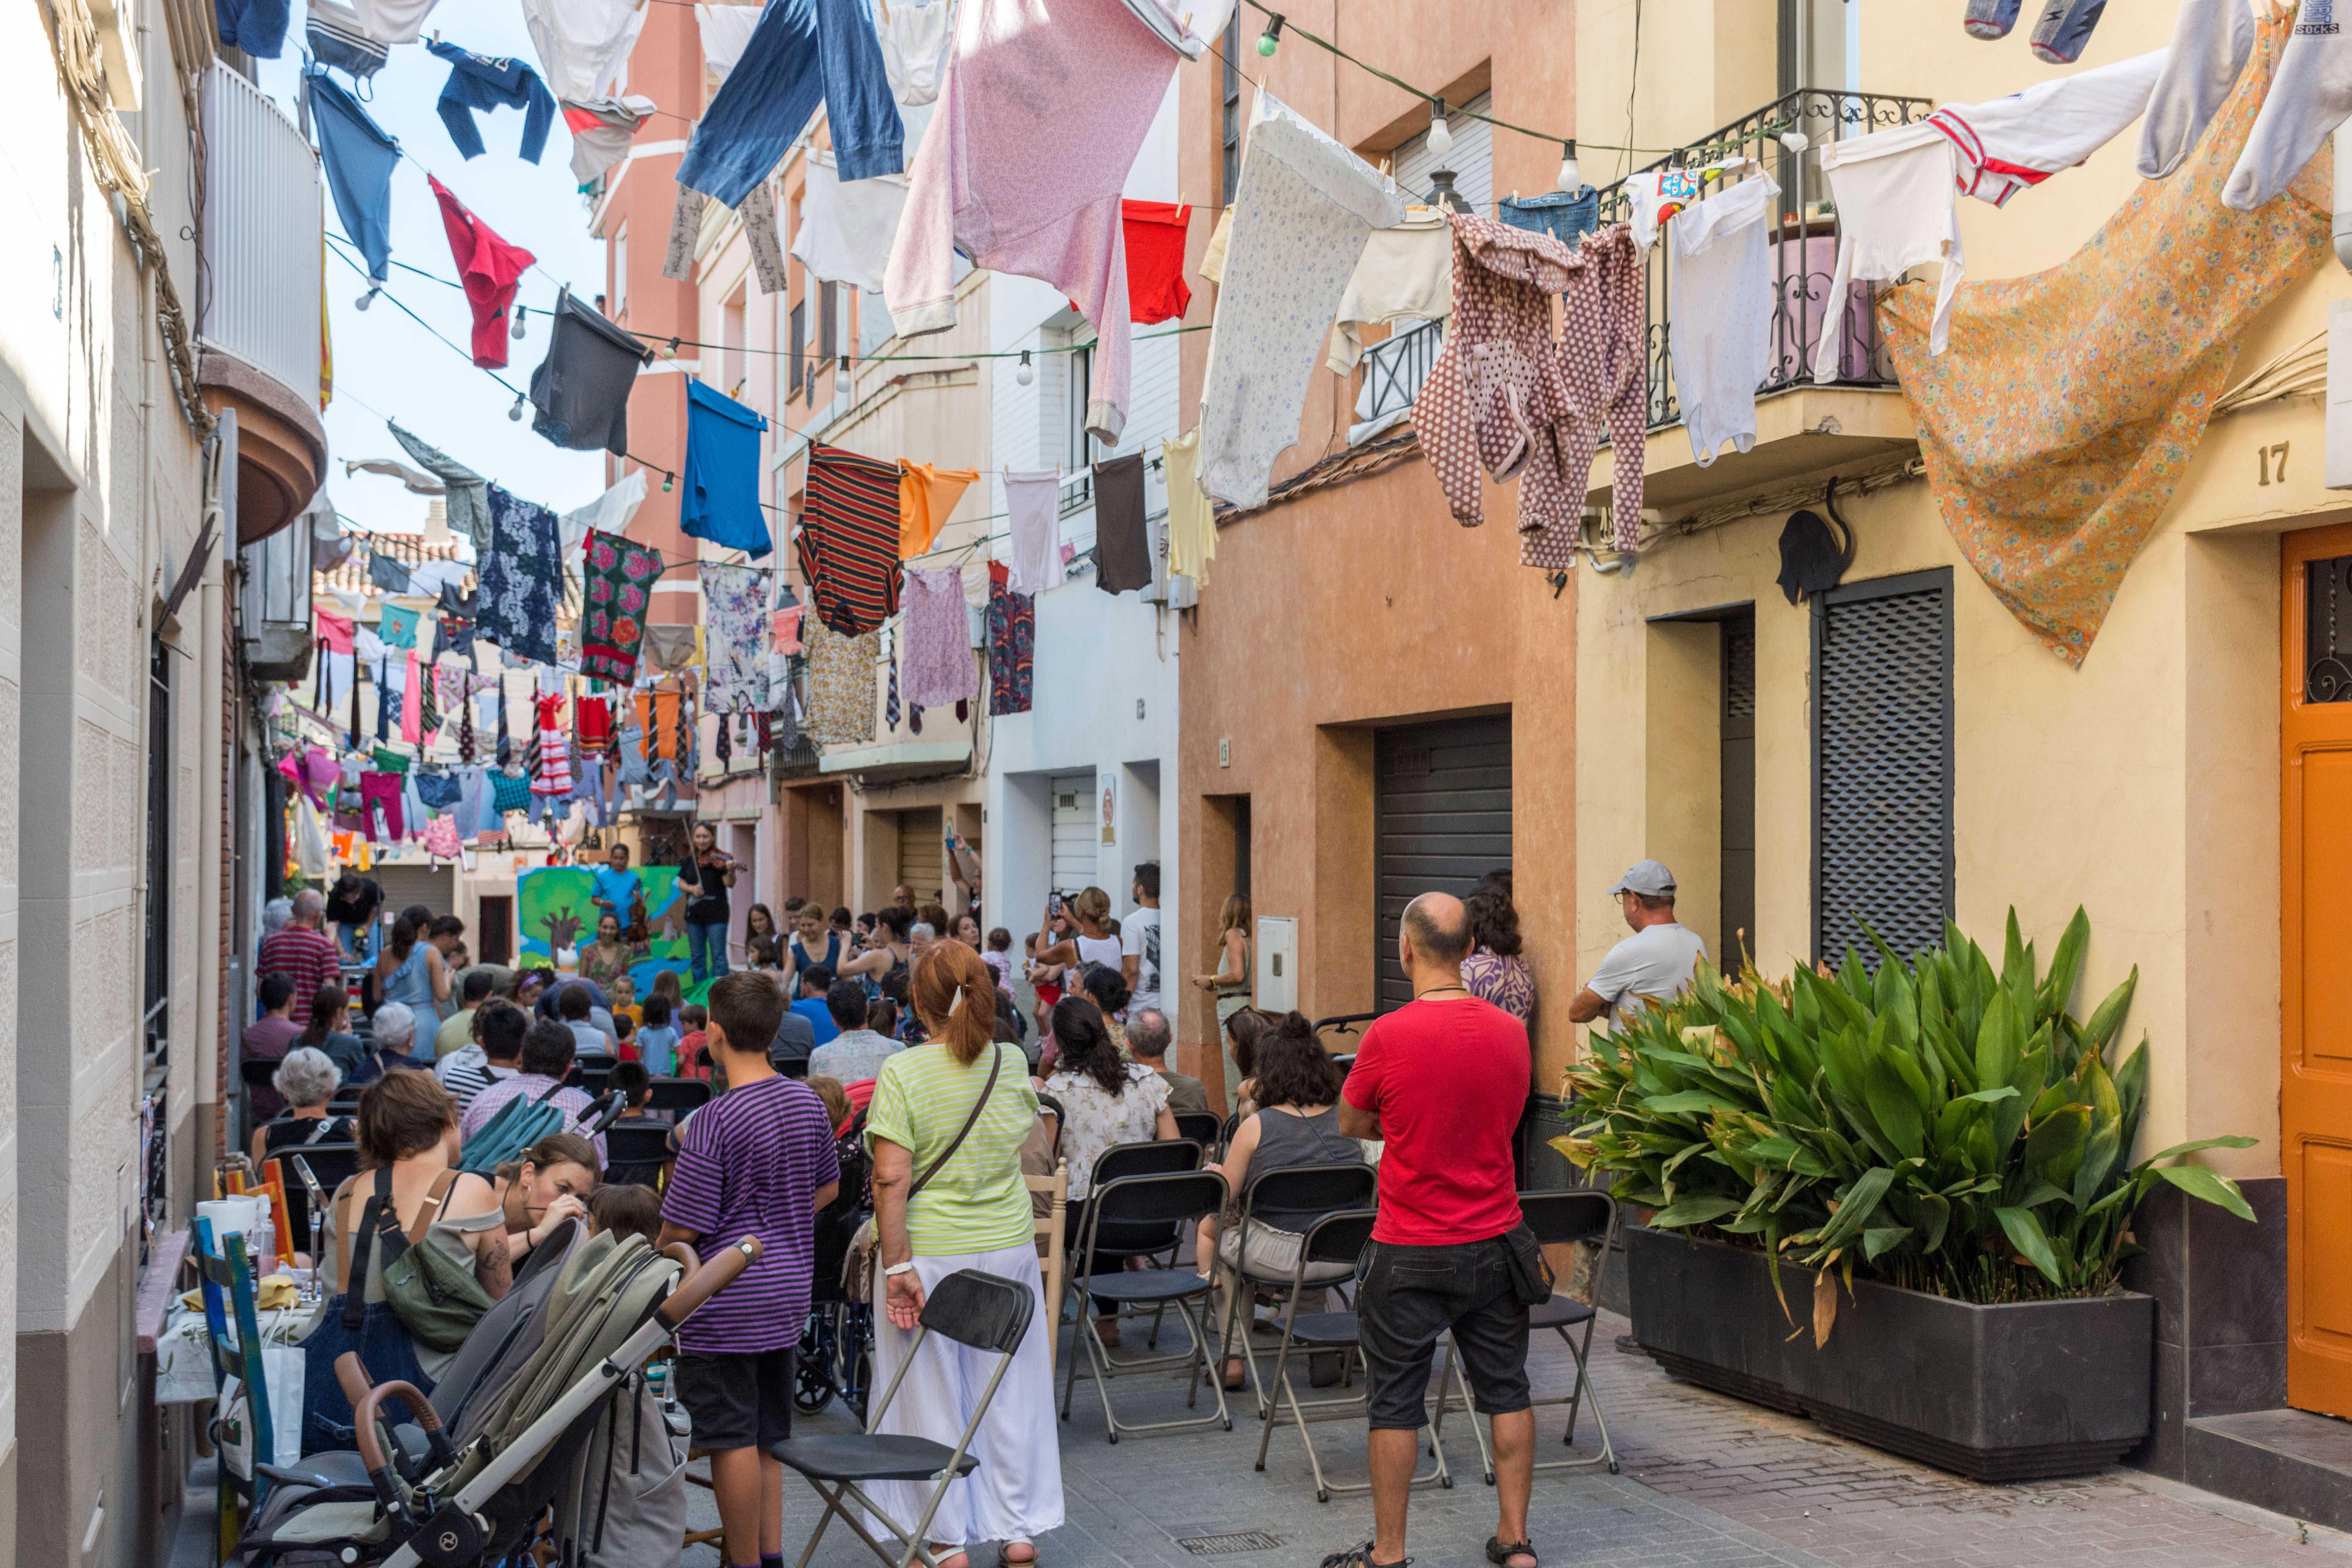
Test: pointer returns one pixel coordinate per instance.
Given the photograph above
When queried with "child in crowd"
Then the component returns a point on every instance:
(622, 990)
(626, 1209)
(624, 1038)
(757, 1160)
(765, 956)
(632, 1080)
(836, 1102)
(882, 1017)
(692, 1020)
(999, 957)
(657, 1042)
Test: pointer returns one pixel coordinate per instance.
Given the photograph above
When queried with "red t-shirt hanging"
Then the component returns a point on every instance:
(489, 266)
(1448, 1078)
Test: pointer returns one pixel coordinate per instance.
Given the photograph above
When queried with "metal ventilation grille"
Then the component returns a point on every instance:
(2328, 631)
(1230, 1544)
(1883, 765)
(1740, 669)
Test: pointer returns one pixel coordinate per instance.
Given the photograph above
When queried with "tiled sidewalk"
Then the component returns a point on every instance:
(1708, 1482)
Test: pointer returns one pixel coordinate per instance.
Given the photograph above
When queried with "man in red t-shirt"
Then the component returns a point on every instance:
(1442, 1081)
(302, 951)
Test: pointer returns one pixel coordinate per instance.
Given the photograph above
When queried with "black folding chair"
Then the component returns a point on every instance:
(982, 1310)
(1202, 1127)
(1179, 1198)
(680, 1095)
(637, 1153)
(1296, 1190)
(592, 1079)
(1334, 1238)
(329, 1164)
(1155, 1157)
(1558, 1218)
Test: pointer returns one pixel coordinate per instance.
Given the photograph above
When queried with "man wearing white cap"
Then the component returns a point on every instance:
(1654, 963)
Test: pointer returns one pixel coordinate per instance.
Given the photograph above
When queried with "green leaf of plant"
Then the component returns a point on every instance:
(1696, 1209)
(2193, 1147)
(2108, 1015)
(2054, 1149)
(2025, 1234)
(2031, 1071)
(2100, 1155)
(1860, 1204)
(1934, 1214)
(1988, 1096)
(1890, 1100)
(2204, 1182)
(2066, 963)
(1881, 1237)
(2000, 1041)
(1685, 1101)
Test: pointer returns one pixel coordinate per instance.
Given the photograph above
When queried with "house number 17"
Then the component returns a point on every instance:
(2267, 455)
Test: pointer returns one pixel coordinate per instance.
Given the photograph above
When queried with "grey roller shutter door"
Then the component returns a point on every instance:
(1442, 819)
(1883, 765)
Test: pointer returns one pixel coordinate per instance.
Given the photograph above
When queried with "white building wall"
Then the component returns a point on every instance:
(1105, 688)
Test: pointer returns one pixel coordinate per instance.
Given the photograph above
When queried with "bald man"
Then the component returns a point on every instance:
(1442, 1080)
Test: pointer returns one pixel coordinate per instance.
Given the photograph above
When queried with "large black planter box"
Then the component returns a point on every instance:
(2012, 1392)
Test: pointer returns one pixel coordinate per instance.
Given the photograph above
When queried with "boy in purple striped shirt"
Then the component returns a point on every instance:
(759, 1160)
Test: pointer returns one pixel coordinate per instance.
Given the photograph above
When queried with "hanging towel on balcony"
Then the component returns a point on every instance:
(465, 495)
(601, 130)
(257, 26)
(846, 226)
(2210, 41)
(1896, 211)
(1192, 521)
(927, 494)
(1505, 399)
(2059, 424)
(721, 502)
(2007, 143)
(1034, 502)
(1045, 205)
(802, 54)
(1301, 216)
(582, 44)
(488, 82)
(581, 389)
(2310, 99)
(1722, 339)
(1122, 553)
(936, 640)
(339, 39)
(1406, 274)
(848, 541)
(489, 268)
(520, 584)
(359, 159)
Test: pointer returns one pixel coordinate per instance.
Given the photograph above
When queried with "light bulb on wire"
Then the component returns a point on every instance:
(1269, 40)
(520, 314)
(666, 479)
(1572, 178)
(1026, 373)
(364, 300)
(1441, 137)
(516, 412)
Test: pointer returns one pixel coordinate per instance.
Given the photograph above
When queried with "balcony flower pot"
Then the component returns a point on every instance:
(2015, 1392)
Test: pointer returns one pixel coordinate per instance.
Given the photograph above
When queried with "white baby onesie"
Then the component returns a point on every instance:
(1896, 211)
(2210, 41)
(1300, 220)
(1722, 314)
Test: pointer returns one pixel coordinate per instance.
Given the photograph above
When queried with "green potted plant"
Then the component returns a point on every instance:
(1940, 1155)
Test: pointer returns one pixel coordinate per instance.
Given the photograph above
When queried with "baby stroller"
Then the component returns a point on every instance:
(544, 1424)
(837, 1351)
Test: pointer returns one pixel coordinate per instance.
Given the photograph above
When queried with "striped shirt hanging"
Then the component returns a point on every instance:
(849, 539)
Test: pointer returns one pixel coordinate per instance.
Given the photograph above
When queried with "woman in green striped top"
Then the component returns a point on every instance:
(973, 1212)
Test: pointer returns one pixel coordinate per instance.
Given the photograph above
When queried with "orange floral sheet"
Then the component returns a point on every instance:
(2056, 426)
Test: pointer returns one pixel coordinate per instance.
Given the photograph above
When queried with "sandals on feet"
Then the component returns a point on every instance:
(1497, 1551)
(1361, 1557)
(1005, 1559)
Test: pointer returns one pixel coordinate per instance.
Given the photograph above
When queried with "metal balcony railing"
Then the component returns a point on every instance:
(1803, 240)
(1394, 369)
(262, 250)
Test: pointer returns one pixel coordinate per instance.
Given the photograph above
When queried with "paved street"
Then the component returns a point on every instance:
(1707, 1481)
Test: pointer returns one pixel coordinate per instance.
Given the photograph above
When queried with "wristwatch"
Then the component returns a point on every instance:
(897, 1268)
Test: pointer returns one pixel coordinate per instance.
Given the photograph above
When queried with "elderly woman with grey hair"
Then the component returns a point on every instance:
(306, 1080)
(394, 1030)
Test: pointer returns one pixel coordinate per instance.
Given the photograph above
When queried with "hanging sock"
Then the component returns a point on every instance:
(684, 226)
(489, 268)
(484, 83)
(1991, 19)
(2311, 95)
(914, 718)
(848, 544)
(2210, 41)
(580, 389)
(721, 502)
(2064, 30)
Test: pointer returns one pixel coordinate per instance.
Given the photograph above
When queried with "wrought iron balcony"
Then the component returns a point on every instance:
(1803, 242)
(1394, 369)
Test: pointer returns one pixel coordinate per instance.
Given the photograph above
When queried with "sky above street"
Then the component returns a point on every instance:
(386, 365)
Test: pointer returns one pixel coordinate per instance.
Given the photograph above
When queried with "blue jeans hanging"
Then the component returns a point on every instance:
(384, 1349)
(1567, 218)
(705, 947)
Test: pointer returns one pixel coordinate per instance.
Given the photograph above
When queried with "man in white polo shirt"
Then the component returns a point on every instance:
(1655, 963)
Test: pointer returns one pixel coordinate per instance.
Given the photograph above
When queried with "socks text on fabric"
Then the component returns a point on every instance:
(2309, 97)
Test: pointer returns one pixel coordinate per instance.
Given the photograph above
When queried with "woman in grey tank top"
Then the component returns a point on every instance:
(1297, 1123)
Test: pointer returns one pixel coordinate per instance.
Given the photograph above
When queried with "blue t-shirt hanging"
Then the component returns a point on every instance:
(723, 473)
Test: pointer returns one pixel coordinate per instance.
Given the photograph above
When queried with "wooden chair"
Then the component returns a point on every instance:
(1052, 1226)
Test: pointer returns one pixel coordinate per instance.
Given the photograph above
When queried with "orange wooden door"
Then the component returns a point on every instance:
(2316, 954)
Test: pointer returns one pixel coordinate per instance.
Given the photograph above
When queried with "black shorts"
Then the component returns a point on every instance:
(1411, 1296)
(737, 1400)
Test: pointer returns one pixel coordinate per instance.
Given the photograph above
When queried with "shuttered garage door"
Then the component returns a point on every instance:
(1883, 765)
(1442, 819)
(1076, 832)
(921, 863)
